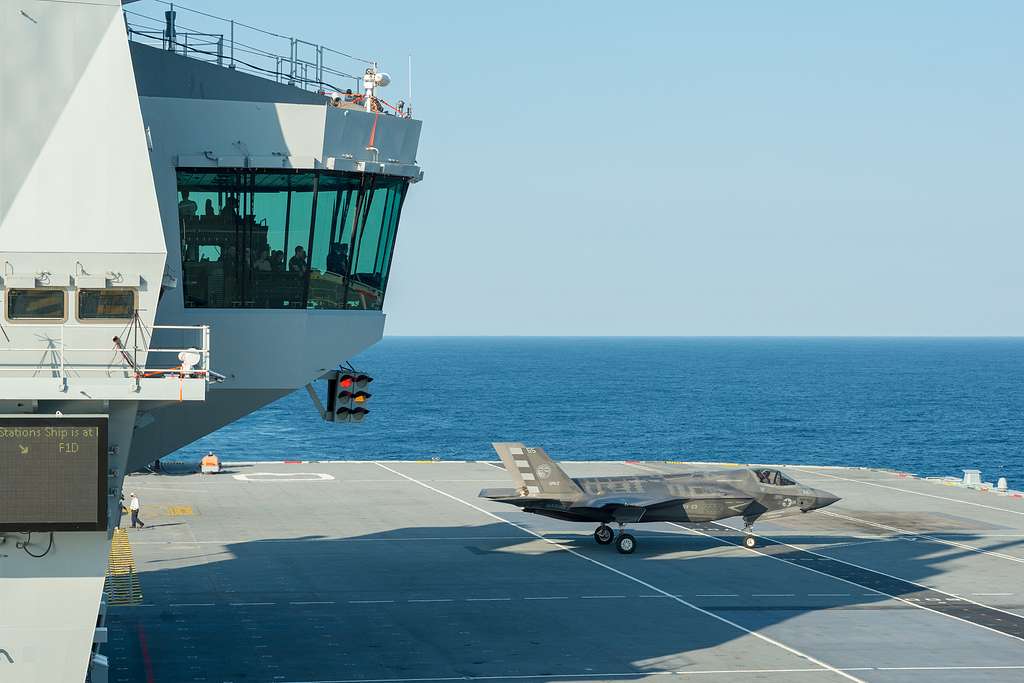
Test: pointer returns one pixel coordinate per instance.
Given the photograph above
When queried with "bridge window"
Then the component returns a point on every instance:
(287, 239)
(106, 304)
(36, 304)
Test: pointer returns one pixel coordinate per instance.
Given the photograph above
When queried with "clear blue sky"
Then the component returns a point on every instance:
(684, 168)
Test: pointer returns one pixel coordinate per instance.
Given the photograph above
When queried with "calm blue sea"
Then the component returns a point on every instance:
(929, 406)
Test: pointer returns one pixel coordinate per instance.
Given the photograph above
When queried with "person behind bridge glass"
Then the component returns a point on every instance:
(262, 263)
(208, 208)
(230, 207)
(337, 259)
(186, 207)
(297, 263)
(277, 261)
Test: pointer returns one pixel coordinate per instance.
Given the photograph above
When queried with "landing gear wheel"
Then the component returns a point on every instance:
(604, 534)
(625, 543)
(750, 541)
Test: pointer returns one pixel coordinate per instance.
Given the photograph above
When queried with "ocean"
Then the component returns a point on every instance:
(927, 406)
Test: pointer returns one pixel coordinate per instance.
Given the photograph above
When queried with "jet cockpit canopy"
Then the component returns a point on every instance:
(774, 478)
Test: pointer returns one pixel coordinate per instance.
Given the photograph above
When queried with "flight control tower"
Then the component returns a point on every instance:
(196, 218)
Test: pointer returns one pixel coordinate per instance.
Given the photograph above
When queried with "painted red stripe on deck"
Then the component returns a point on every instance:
(147, 662)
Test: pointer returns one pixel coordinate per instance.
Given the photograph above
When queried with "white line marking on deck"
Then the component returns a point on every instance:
(367, 602)
(283, 477)
(488, 599)
(772, 595)
(433, 600)
(828, 595)
(623, 574)
(171, 489)
(955, 544)
(403, 539)
(913, 602)
(249, 604)
(717, 595)
(600, 597)
(312, 602)
(995, 667)
(553, 597)
(593, 675)
(916, 493)
(192, 604)
(634, 674)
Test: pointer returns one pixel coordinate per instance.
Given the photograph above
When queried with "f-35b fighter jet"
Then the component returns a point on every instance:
(691, 497)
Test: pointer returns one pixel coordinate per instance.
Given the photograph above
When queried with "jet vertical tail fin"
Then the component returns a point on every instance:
(533, 471)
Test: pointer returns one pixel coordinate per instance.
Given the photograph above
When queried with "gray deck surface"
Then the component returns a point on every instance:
(398, 572)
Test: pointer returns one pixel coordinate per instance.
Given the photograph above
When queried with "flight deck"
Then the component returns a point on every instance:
(395, 571)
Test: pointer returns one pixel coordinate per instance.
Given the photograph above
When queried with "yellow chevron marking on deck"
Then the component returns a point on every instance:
(180, 511)
(122, 584)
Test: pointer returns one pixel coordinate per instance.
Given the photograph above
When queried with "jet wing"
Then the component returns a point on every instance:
(630, 507)
(638, 500)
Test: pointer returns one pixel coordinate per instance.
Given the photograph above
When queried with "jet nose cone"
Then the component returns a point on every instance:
(824, 499)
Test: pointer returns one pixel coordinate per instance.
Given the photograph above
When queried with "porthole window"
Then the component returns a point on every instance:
(106, 304)
(35, 304)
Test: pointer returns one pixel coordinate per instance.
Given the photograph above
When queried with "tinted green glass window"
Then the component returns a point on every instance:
(286, 239)
(35, 304)
(106, 304)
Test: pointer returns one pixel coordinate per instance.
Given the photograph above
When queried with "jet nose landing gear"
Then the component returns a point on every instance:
(749, 539)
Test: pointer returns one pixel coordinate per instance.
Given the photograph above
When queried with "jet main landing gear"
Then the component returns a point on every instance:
(625, 542)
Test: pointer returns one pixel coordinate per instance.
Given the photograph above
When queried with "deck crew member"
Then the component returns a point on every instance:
(133, 505)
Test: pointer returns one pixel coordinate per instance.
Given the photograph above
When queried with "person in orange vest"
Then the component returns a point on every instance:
(210, 464)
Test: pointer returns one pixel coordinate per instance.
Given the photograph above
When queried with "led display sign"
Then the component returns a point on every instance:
(53, 473)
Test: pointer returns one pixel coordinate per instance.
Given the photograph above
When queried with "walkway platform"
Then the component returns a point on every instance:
(397, 572)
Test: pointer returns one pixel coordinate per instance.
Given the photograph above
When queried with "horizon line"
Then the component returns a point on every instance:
(706, 336)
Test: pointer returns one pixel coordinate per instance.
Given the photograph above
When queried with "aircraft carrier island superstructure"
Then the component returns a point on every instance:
(164, 191)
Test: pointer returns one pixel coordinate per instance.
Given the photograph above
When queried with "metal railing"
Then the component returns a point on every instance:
(244, 48)
(130, 354)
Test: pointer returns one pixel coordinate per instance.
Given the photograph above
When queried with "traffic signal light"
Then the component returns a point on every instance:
(349, 396)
